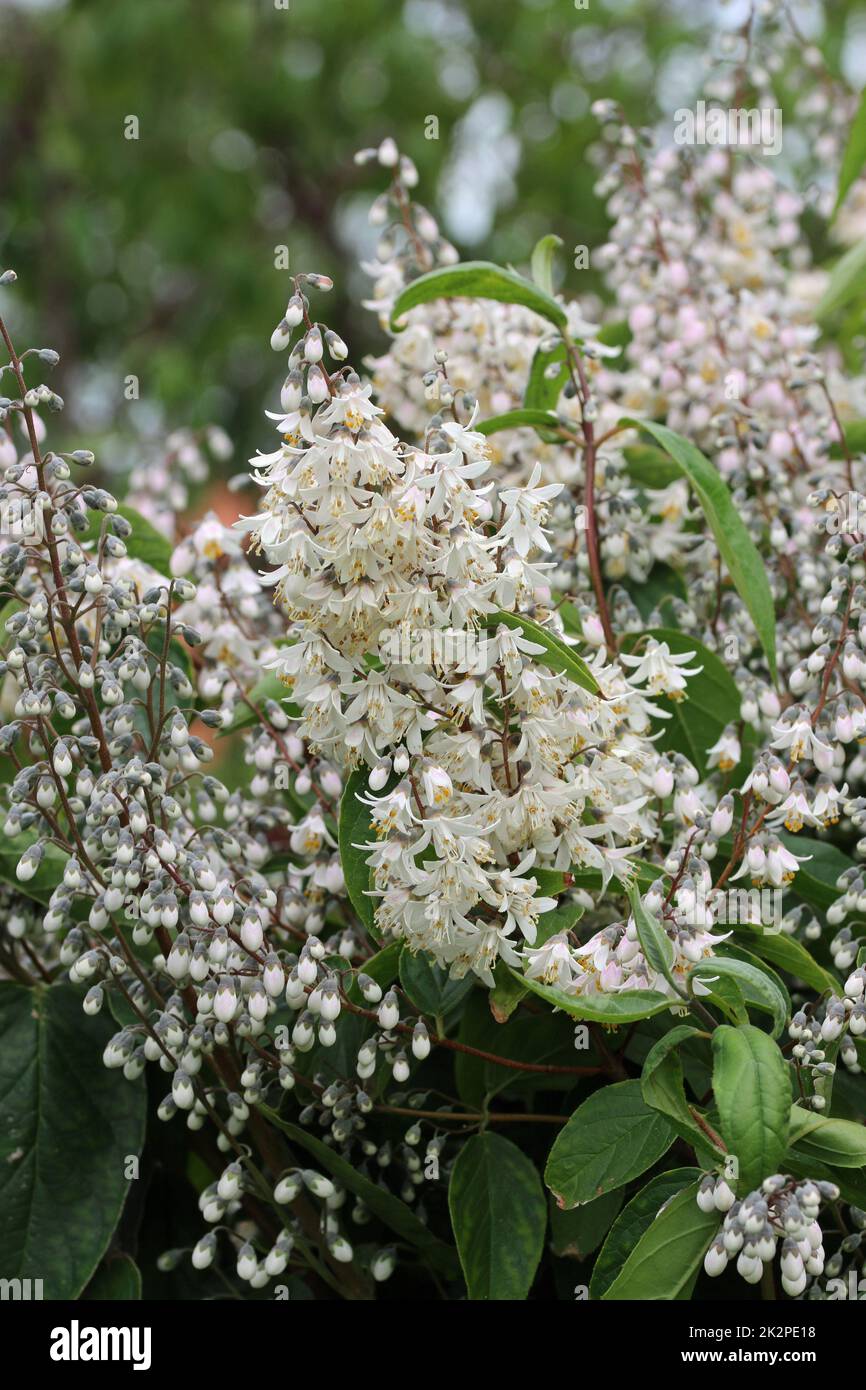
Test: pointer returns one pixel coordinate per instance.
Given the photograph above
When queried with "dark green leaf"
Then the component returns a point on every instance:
(815, 881)
(654, 940)
(663, 1089)
(578, 1232)
(759, 988)
(650, 467)
(507, 992)
(611, 1009)
(499, 1215)
(790, 955)
(661, 585)
(545, 1040)
(145, 543)
(47, 876)
(383, 968)
(69, 1126)
(543, 391)
(736, 546)
(430, 988)
(632, 1222)
(118, 1279)
(611, 1138)
(668, 1256)
(838, 1143)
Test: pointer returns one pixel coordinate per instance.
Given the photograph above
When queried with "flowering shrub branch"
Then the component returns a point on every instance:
(545, 633)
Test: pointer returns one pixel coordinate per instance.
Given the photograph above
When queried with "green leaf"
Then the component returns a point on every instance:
(839, 1143)
(654, 940)
(854, 157)
(727, 997)
(514, 419)
(611, 1138)
(9, 609)
(661, 585)
(663, 1089)
(578, 1232)
(736, 546)
(543, 257)
(611, 1009)
(556, 655)
(559, 919)
(270, 687)
(145, 544)
(759, 988)
(546, 1040)
(507, 992)
(396, 1215)
(499, 1215)
(477, 280)
(383, 967)
(118, 1279)
(650, 467)
(617, 334)
(711, 699)
(752, 1090)
(69, 1124)
(353, 830)
(850, 1181)
(855, 440)
(847, 281)
(734, 951)
(668, 1256)
(633, 1221)
(790, 955)
(430, 988)
(815, 881)
(543, 391)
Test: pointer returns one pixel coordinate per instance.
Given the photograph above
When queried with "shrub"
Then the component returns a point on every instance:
(513, 951)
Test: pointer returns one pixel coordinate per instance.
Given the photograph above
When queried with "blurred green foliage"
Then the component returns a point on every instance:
(155, 256)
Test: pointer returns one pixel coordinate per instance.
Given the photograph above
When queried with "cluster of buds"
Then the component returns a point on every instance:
(821, 1037)
(782, 1211)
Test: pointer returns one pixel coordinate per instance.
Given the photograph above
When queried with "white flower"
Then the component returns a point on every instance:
(794, 734)
(663, 671)
(726, 752)
(553, 963)
(526, 513)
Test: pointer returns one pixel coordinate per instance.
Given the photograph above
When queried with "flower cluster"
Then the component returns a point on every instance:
(515, 706)
(783, 1210)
